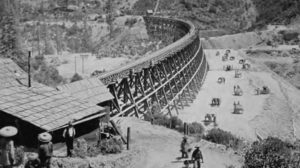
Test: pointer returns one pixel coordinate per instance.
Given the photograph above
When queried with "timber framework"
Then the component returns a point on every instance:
(171, 77)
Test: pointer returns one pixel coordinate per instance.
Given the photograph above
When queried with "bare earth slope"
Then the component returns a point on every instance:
(162, 147)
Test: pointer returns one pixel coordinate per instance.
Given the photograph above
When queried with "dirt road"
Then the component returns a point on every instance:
(274, 114)
(162, 147)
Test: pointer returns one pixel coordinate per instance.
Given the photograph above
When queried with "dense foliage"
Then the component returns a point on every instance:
(272, 153)
(46, 74)
(276, 11)
(219, 136)
(108, 146)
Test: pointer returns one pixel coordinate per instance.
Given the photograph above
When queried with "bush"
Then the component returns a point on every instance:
(130, 22)
(80, 148)
(113, 145)
(108, 146)
(48, 75)
(76, 77)
(272, 153)
(175, 122)
(196, 128)
(19, 155)
(219, 136)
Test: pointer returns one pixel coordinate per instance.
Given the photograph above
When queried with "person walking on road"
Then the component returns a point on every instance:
(196, 157)
(69, 135)
(7, 148)
(45, 149)
(184, 148)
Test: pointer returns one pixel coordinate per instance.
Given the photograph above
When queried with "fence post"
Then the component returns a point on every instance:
(187, 129)
(128, 137)
(184, 128)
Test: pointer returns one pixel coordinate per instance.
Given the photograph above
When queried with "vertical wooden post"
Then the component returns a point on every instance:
(128, 137)
(184, 128)
(29, 69)
(187, 129)
(170, 87)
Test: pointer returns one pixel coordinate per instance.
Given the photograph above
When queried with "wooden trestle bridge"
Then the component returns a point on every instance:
(171, 77)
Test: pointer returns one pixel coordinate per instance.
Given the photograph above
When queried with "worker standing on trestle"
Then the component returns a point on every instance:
(69, 135)
(7, 148)
(45, 149)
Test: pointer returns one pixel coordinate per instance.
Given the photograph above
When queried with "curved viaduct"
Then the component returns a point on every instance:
(169, 77)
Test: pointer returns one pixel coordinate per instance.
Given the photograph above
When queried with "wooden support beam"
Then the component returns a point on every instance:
(113, 91)
(118, 131)
(163, 91)
(152, 87)
(139, 83)
(172, 94)
(128, 91)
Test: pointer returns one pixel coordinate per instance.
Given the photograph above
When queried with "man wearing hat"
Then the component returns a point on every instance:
(45, 149)
(7, 153)
(197, 156)
(184, 148)
(69, 135)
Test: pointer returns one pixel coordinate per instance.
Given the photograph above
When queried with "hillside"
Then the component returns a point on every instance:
(276, 11)
(154, 146)
(229, 15)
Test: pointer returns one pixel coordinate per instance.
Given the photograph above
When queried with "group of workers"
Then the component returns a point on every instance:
(197, 157)
(41, 159)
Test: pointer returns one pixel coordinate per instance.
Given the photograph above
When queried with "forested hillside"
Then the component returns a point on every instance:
(276, 11)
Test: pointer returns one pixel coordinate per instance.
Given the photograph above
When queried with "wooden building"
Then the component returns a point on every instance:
(40, 108)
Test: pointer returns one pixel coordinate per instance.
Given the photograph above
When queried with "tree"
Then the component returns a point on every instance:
(9, 33)
(109, 10)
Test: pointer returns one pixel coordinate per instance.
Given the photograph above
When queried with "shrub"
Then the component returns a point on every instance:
(80, 148)
(130, 22)
(48, 75)
(113, 145)
(196, 128)
(160, 119)
(19, 155)
(175, 122)
(219, 136)
(108, 146)
(76, 77)
(271, 152)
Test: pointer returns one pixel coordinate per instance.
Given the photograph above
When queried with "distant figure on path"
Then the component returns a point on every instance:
(7, 152)
(197, 156)
(184, 148)
(69, 135)
(45, 149)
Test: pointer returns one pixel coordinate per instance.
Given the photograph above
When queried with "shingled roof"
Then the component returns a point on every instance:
(39, 105)
(92, 90)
